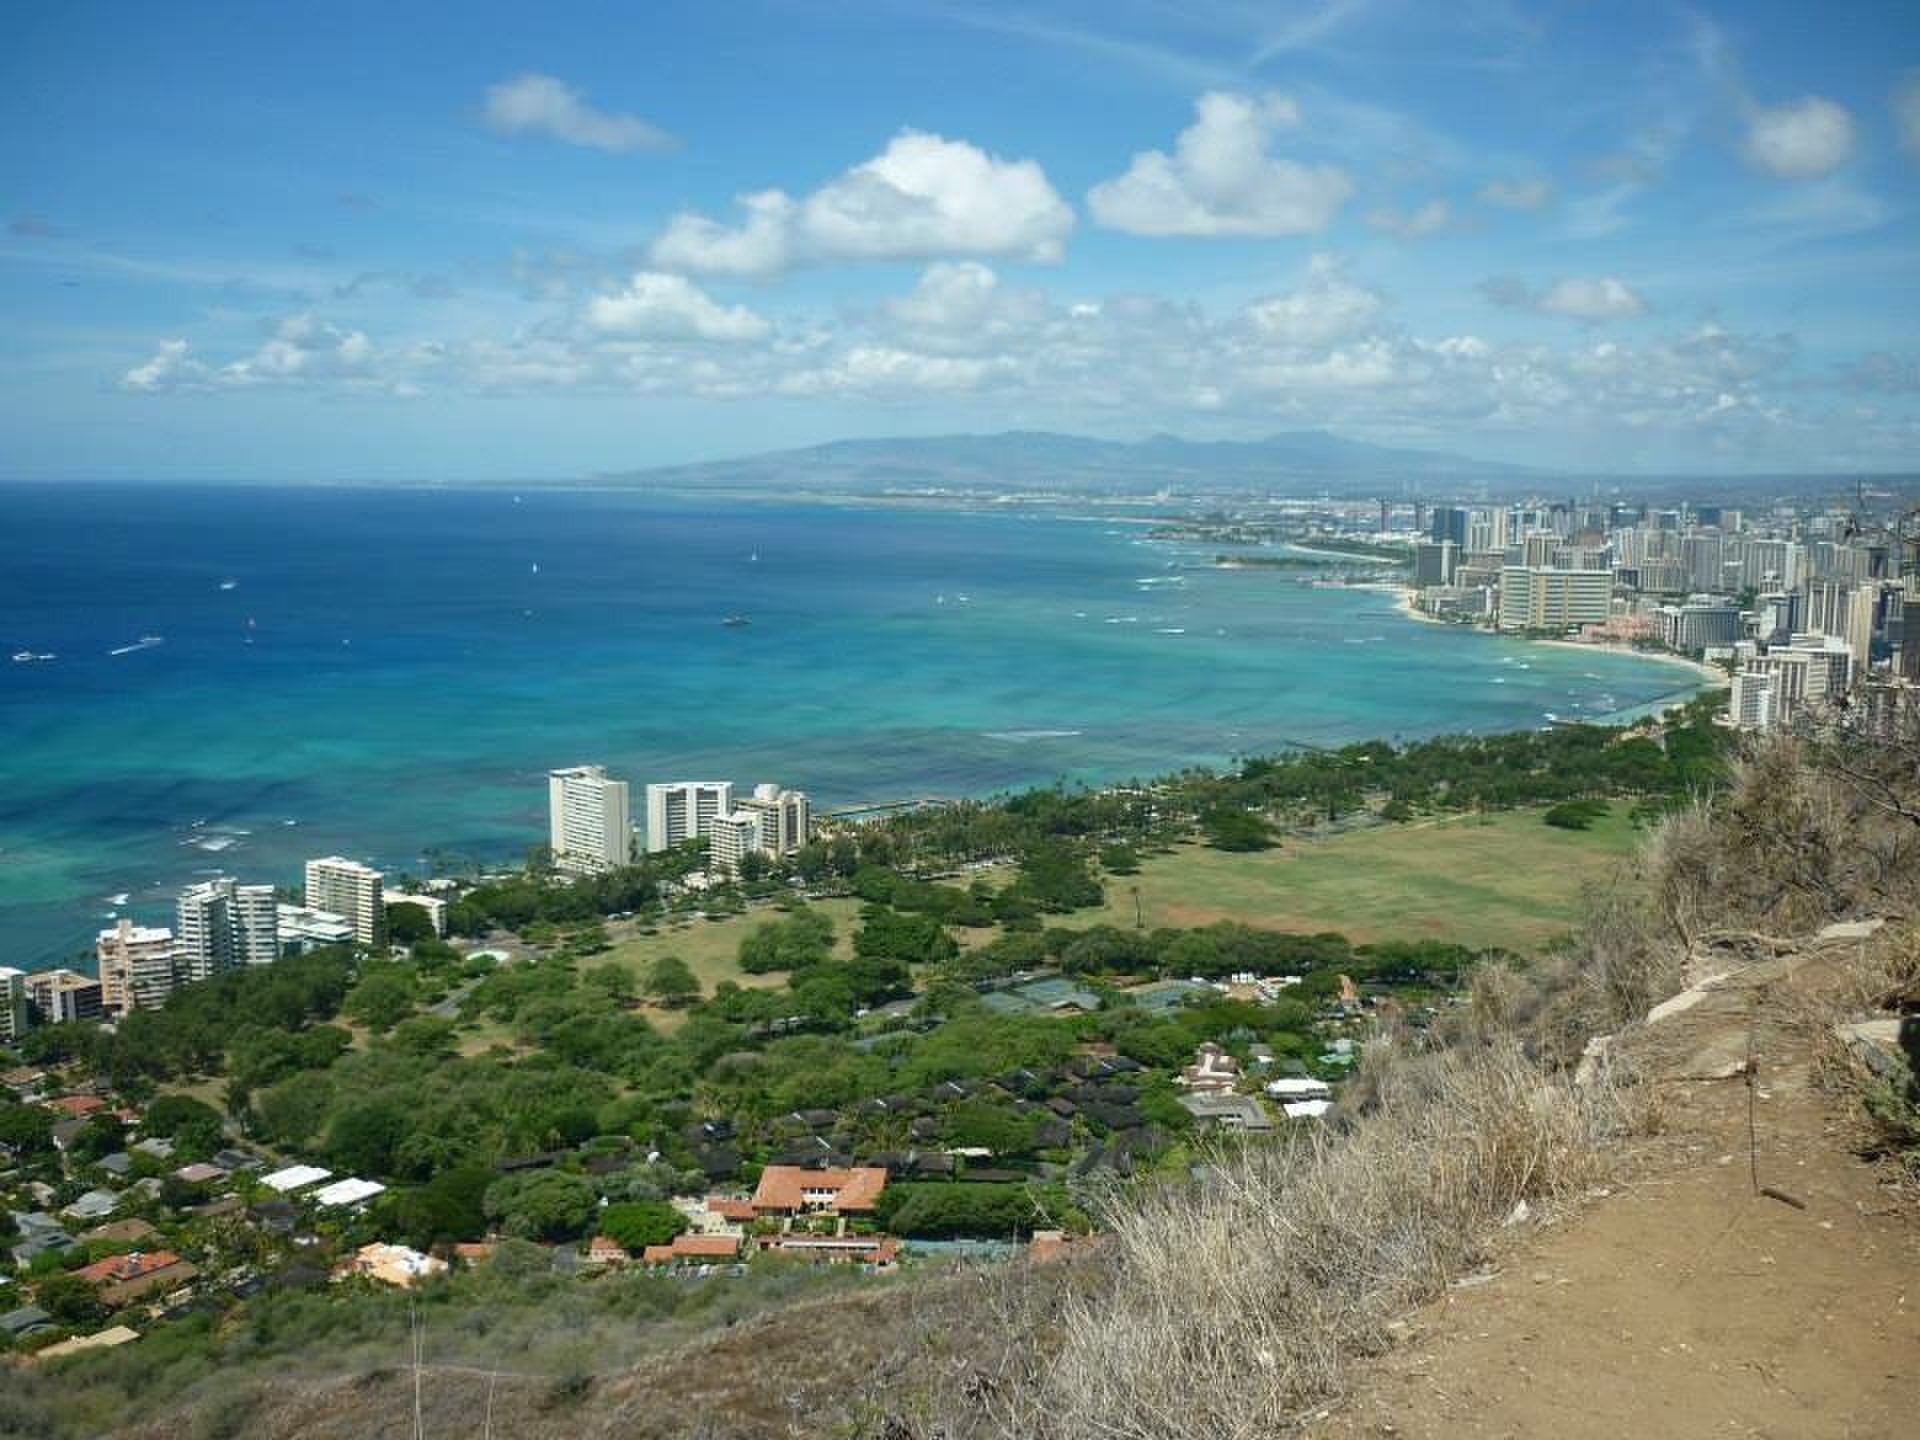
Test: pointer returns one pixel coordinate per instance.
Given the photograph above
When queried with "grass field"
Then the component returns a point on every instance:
(1506, 879)
(711, 950)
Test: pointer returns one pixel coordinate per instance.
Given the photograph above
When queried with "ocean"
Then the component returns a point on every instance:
(247, 677)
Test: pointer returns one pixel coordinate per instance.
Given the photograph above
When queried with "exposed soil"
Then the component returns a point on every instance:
(1680, 1302)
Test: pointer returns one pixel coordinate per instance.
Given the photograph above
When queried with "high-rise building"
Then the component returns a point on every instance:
(685, 810)
(588, 819)
(139, 966)
(1449, 523)
(785, 816)
(63, 996)
(1812, 673)
(1489, 529)
(352, 891)
(1434, 562)
(731, 839)
(1537, 598)
(1696, 626)
(223, 924)
(1843, 611)
(13, 1004)
(1754, 704)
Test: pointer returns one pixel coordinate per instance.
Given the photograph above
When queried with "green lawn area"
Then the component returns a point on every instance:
(1506, 879)
(711, 949)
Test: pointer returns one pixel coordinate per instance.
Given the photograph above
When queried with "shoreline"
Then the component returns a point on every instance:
(1708, 674)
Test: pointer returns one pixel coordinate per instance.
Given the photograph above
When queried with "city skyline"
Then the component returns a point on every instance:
(1648, 238)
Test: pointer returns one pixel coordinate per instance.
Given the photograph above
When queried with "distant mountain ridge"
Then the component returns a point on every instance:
(1039, 459)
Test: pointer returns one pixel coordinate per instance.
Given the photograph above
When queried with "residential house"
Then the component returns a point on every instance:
(397, 1265)
(789, 1192)
(27, 1320)
(607, 1251)
(1213, 1071)
(1228, 1111)
(122, 1279)
(694, 1249)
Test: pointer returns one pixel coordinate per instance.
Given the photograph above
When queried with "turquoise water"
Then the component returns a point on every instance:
(379, 672)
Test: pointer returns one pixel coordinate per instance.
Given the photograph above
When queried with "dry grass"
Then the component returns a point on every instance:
(1226, 1307)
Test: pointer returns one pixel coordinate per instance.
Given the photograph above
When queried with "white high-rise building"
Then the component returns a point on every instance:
(138, 964)
(684, 810)
(731, 839)
(589, 827)
(13, 1004)
(353, 892)
(785, 816)
(223, 924)
(1754, 704)
(1843, 611)
(1537, 598)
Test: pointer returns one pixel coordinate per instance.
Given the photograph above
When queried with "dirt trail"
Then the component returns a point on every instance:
(1680, 1303)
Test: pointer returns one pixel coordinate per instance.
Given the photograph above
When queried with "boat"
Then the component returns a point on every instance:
(145, 642)
(229, 584)
(734, 622)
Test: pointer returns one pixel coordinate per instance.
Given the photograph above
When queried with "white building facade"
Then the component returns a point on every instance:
(221, 924)
(352, 891)
(589, 826)
(682, 810)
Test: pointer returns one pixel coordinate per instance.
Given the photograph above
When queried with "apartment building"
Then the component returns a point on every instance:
(139, 966)
(589, 826)
(353, 892)
(13, 1004)
(1538, 598)
(62, 996)
(221, 924)
(685, 810)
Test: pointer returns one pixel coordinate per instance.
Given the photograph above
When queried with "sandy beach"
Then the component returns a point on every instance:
(1709, 674)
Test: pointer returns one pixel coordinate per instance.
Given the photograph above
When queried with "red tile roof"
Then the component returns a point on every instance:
(118, 1269)
(77, 1106)
(693, 1247)
(729, 1208)
(783, 1187)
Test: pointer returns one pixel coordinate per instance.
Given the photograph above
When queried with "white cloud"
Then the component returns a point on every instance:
(1325, 353)
(1598, 299)
(654, 306)
(542, 105)
(1579, 297)
(962, 306)
(1906, 113)
(1799, 140)
(1222, 179)
(922, 197)
(760, 246)
(1517, 194)
(1325, 309)
(171, 368)
(870, 369)
(1433, 216)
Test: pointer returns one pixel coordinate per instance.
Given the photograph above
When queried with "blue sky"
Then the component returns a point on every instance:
(331, 240)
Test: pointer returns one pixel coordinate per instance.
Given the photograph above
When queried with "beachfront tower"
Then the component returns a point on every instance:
(684, 810)
(588, 820)
(353, 892)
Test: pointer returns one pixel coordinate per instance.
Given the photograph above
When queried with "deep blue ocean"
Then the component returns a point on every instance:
(379, 672)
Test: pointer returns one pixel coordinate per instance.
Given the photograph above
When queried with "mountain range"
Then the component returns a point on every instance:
(1045, 460)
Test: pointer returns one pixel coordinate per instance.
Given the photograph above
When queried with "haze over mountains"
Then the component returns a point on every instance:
(1039, 459)
(1293, 462)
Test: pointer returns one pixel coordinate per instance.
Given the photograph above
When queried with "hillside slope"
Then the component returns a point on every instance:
(1672, 1301)
(1682, 1302)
